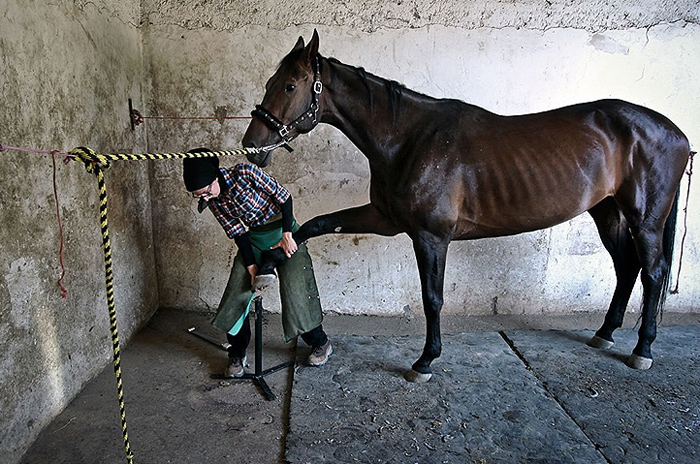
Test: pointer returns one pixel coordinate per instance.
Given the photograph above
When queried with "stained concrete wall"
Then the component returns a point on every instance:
(509, 57)
(67, 69)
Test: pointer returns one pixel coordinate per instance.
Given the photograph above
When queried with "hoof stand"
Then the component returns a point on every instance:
(416, 377)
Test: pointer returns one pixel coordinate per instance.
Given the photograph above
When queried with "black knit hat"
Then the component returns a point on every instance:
(199, 172)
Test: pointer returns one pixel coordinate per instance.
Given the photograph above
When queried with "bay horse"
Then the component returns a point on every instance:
(444, 170)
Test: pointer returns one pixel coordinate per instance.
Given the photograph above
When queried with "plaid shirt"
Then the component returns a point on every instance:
(249, 198)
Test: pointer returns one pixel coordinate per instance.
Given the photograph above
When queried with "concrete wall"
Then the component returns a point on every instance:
(509, 57)
(67, 69)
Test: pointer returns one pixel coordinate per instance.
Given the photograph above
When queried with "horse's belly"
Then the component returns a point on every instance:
(523, 198)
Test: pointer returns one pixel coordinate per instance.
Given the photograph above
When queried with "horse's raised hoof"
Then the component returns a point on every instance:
(639, 362)
(417, 377)
(261, 282)
(599, 342)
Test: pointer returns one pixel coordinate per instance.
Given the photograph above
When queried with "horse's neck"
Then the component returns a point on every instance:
(363, 111)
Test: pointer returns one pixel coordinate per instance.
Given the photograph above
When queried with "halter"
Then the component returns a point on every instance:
(275, 124)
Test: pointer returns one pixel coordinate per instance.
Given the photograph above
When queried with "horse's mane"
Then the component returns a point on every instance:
(396, 91)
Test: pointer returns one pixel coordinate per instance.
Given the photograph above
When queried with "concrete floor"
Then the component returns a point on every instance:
(177, 413)
(516, 396)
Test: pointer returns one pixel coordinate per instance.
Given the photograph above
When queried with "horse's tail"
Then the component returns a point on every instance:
(669, 240)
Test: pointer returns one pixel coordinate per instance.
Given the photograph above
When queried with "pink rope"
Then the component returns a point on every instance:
(53, 154)
(196, 118)
(31, 150)
(137, 118)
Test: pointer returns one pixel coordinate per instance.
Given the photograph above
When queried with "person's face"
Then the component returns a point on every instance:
(207, 193)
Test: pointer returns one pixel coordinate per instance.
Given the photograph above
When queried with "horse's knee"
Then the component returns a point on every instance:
(432, 304)
(320, 225)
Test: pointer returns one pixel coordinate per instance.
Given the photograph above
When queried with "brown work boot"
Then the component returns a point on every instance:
(320, 354)
(235, 367)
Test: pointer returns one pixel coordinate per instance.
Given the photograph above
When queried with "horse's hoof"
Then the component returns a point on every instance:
(416, 377)
(261, 282)
(599, 342)
(639, 362)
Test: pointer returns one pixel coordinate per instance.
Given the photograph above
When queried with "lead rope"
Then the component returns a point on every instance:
(95, 164)
(689, 172)
(97, 169)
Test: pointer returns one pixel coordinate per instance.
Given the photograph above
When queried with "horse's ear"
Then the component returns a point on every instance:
(313, 45)
(311, 50)
(299, 44)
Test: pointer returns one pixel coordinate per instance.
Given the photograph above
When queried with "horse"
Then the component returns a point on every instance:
(443, 170)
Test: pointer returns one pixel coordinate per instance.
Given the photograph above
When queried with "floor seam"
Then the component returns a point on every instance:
(543, 384)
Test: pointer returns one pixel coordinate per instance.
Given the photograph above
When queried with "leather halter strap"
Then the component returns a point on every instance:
(275, 124)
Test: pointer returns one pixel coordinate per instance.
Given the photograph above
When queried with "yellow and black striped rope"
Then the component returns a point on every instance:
(96, 164)
(109, 282)
(90, 158)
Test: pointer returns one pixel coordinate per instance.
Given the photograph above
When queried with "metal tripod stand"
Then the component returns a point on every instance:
(259, 375)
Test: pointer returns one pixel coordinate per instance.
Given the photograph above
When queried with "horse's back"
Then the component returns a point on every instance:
(509, 174)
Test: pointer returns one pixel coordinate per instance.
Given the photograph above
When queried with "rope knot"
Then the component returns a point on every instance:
(92, 160)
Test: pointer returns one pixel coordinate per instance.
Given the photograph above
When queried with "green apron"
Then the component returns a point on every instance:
(301, 306)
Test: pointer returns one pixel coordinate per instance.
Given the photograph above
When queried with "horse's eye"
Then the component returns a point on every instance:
(290, 88)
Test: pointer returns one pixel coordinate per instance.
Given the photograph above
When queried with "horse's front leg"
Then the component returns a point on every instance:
(431, 253)
(364, 219)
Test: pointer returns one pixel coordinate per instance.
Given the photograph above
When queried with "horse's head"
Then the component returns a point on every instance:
(291, 103)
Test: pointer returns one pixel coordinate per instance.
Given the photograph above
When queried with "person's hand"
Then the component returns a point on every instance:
(288, 245)
(252, 270)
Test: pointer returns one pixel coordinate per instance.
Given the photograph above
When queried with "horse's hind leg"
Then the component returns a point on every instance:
(617, 239)
(654, 245)
(653, 230)
(655, 270)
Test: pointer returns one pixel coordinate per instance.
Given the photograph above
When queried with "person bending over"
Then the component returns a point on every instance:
(256, 211)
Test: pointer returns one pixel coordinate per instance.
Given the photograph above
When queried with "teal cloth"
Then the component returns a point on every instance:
(239, 323)
(301, 305)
